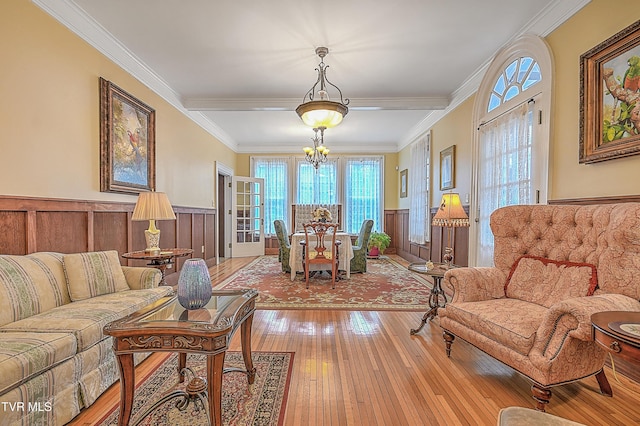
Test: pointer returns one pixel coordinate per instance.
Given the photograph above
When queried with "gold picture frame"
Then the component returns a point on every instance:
(403, 184)
(127, 142)
(448, 168)
(610, 98)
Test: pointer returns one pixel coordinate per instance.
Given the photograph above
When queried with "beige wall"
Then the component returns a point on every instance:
(49, 116)
(455, 128)
(568, 178)
(598, 21)
(391, 175)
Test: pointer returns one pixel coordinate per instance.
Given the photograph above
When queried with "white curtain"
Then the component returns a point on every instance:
(274, 171)
(418, 191)
(316, 186)
(504, 170)
(363, 189)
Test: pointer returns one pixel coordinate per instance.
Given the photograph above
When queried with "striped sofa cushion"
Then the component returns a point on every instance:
(93, 274)
(30, 285)
(85, 319)
(24, 355)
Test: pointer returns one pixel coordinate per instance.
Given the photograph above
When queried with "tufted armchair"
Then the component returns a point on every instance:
(554, 267)
(284, 245)
(359, 259)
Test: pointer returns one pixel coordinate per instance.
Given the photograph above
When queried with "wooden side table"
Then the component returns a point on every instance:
(613, 330)
(161, 260)
(437, 298)
(165, 326)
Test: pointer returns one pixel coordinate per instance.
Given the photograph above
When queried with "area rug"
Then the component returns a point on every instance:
(386, 285)
(262, 404)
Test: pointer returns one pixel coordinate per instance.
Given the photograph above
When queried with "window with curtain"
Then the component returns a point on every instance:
(363, 190)
(354, 182)
(504, 170)
(419, 227)
(316, 186)
(275, 172)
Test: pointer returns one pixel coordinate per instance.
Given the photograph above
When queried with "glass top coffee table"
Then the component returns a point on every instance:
(165, 326)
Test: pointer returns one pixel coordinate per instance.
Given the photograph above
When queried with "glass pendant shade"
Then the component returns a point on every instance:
(325, 114)
(194, 284)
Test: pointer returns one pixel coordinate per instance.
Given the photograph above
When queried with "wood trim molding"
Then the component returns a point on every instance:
(69, 226)
(597, 200)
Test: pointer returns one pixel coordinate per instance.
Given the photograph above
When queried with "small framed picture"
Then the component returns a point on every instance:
(403, 183)
(448, 168)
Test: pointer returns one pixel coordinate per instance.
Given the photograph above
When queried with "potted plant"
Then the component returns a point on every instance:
(378, 243)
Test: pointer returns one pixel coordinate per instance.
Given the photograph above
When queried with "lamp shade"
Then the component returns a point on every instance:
(450, 213)
(153, 206)
(322, 113)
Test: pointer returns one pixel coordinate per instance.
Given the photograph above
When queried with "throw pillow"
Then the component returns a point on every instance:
(545, 281)
(93, 274)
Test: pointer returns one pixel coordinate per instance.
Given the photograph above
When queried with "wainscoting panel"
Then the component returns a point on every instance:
(13, 232)
(66, 232)
(110, 230)
(29, 225)
(397, 226)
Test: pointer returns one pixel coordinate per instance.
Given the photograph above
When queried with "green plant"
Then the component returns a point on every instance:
(380, 240)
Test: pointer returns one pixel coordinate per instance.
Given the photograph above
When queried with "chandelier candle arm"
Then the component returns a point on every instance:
(318, 154)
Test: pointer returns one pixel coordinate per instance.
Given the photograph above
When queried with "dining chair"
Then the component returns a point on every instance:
(317, 236)
(359, 259)
(284, 246)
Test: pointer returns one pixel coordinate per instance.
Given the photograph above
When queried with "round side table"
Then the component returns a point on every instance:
(160, 260)
(437, 298)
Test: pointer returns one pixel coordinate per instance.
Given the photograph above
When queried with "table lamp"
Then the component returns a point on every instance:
(153, 206)
(450, 214)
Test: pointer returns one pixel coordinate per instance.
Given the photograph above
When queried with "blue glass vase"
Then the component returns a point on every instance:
(194, 284)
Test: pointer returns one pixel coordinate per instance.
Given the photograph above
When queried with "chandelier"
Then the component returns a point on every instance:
(318, 154)
(317, 110)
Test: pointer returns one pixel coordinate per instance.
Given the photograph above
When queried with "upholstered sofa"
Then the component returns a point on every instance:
(554, 267)
(54, 358)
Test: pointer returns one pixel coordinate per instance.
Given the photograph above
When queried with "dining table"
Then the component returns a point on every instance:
(345, 254)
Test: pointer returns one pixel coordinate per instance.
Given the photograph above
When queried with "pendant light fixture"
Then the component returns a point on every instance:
(318, 154)
(317, 110)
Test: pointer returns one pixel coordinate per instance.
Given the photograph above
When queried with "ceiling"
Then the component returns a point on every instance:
(240, 68)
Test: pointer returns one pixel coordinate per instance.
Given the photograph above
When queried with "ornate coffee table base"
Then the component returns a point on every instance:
(196, 392)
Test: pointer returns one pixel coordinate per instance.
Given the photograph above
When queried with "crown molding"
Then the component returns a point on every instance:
(290, 104)
(77, 20)
(554, 15)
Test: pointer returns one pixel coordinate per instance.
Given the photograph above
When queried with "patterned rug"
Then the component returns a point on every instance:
(386, 285)
(261, 404)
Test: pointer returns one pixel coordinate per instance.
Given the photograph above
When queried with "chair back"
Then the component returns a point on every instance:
(281, 233)
(365, 233)
(320, 242)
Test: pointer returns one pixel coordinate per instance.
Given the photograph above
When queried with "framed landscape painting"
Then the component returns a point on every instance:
(127, 142)
(447, 168)
(610, 98)
(403, 184)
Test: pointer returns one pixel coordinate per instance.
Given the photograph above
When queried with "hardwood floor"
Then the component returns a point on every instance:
(364, 368)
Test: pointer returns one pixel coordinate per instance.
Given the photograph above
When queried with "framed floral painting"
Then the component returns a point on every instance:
(127, 142)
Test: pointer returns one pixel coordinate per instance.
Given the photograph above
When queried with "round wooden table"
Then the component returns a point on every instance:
(161, 260)
(618, 332)
(437, 298)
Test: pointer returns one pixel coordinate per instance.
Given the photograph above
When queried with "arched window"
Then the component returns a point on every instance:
(511, 144)
(514, 79)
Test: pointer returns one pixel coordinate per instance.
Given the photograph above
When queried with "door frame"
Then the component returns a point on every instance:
(227, 173)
